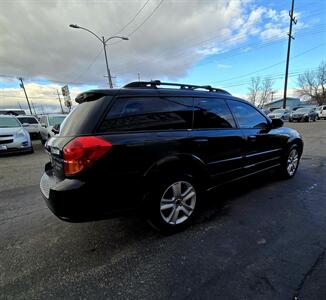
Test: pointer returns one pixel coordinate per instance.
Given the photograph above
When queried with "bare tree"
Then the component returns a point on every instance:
(254, 89)
(266, 90)
(312, 84)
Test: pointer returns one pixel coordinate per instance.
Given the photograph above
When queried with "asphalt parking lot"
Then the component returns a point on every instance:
(261, 238)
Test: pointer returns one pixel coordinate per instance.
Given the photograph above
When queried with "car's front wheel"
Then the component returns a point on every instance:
(290, 162)
(173, 204)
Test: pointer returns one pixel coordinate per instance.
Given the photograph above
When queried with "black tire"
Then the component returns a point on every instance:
(157, 217)
(284, 168)
(42, 141)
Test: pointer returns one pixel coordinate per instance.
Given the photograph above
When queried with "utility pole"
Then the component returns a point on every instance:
(33, 107)
(23, 87)
(60, 101)
(272, 95)
(138, 76)
(292, 20)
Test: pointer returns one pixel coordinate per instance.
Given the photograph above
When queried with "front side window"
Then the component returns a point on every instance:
(212, 113)
(247, 116)
(152, 113)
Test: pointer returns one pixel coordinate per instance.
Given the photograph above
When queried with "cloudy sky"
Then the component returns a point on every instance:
(217, 42)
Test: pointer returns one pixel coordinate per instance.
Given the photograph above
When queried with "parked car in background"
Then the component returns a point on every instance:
(321, 111)
(12, 111)
(47, 123)
(13, 136)
(303, 115)
(157, 150)
(31, 124)
(280, 113)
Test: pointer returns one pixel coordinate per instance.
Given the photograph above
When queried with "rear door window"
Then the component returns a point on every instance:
(212, 113)
(149, 113)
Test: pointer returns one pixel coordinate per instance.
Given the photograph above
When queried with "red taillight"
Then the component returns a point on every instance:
(82, 152)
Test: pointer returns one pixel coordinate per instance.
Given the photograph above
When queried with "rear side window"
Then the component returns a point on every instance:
(247, 116)
(149, 113)
(212, 113)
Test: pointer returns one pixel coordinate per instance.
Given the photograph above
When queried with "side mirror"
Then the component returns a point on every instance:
(56, 128)
(277, 123)
(25, 124)
(43, 125)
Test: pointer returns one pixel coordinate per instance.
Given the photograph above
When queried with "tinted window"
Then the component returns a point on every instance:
(150, 113)
(212, 113)
(247, 116)
(27, 120)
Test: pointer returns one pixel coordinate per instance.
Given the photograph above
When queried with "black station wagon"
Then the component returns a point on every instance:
(156, 150)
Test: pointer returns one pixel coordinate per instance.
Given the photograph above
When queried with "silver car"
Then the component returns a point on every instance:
(13, 136)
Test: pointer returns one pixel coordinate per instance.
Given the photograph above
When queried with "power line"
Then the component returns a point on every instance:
(142, 23)
(132, 19)
(89, 66)
(271, 66)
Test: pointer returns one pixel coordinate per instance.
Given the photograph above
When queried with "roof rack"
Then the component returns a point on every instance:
(156, 83)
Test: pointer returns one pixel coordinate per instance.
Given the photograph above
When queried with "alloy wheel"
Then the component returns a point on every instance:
(292, 162)
(178, 202)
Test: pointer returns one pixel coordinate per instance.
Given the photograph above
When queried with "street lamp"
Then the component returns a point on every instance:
(104, 43)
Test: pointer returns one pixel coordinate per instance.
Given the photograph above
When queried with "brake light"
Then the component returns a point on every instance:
(82, 152)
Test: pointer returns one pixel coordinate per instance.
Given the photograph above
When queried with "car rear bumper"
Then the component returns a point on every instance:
(73, 200)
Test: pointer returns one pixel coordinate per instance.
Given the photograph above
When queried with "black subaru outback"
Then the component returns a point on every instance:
(156, 150)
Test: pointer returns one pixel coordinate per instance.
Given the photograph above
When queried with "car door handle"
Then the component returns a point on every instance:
(252, 138)
(201, 140)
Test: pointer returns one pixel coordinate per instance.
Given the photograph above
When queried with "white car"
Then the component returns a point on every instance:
(321, 111)
(31, 124)
(47, 123)
(13, 136)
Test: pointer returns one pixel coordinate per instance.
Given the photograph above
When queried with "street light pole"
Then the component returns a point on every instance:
(107, 64)
(104, 43)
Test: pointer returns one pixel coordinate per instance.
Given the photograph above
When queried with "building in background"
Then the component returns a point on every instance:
(290, 103)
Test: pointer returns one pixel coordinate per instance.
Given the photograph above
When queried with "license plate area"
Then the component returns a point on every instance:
(3, 147)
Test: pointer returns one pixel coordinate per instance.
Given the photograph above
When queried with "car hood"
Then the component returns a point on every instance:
(9, 131)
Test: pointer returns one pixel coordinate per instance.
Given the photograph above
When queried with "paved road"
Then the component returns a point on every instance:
(257, 239)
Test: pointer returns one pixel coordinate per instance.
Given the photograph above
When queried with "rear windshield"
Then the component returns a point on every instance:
(25, 120)
(84, 117)
(9, 123)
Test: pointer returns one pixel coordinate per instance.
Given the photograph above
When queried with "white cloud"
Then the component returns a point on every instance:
(41, 97)
(39, 44)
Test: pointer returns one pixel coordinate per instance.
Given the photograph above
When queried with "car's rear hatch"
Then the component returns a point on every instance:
(82, 121)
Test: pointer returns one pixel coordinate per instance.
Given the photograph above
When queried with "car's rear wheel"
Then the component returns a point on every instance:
(290, 163)
(173, 204)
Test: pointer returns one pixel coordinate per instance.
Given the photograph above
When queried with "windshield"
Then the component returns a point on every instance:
(279, 111)
(27, 120)
(303, 110)
(9, 123)
(56, 120)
